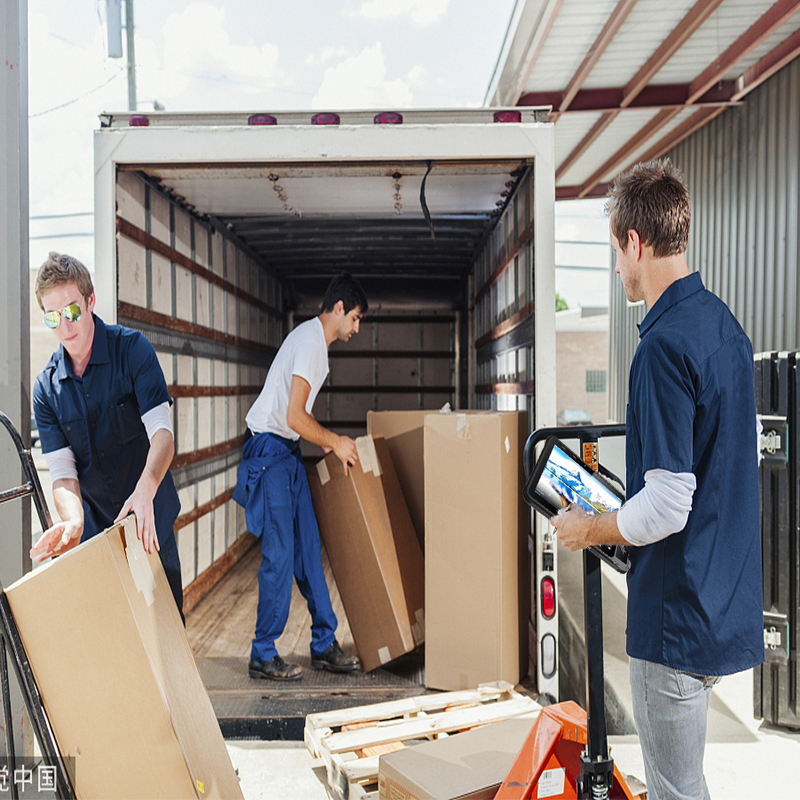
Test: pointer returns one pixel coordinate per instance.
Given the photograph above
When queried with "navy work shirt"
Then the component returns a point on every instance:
(99, 416)
(694, 598)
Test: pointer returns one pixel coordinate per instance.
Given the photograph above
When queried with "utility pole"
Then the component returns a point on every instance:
(15, 381)
(131, 55)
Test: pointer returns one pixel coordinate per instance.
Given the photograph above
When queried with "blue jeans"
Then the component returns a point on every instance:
(670, 708)
(279, 509)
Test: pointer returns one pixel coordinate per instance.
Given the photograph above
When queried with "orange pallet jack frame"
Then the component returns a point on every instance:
(549, 763)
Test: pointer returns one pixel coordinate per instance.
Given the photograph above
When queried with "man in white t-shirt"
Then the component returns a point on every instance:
(273, 488)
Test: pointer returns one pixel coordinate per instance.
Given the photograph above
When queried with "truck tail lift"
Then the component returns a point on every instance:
(10, 642)
(564, 739)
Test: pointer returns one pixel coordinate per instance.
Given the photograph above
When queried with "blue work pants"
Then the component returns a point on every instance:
(279, 498)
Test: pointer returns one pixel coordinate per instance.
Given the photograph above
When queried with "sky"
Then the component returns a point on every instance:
(234, 55)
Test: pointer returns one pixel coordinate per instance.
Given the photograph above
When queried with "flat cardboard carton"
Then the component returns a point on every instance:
(373, 550)
(465, 766)
(476, 530)
(117, 677)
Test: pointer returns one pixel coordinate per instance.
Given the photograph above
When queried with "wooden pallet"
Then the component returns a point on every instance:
(351, 740)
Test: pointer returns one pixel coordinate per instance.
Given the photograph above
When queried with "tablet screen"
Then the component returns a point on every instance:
(564, 482)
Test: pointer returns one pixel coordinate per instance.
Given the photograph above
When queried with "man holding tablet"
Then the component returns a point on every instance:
(691, 522)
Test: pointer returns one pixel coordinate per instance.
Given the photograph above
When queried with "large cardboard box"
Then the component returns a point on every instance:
(404, 432)
(476, 529)
(374, 552)
(117, 677)
(467, 766)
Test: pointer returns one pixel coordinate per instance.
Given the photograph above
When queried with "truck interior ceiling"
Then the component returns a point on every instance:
(408, 231)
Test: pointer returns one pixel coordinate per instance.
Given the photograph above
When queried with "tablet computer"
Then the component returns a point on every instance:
(560, 479)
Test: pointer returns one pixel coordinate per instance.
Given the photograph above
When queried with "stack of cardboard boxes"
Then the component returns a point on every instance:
(448, 484)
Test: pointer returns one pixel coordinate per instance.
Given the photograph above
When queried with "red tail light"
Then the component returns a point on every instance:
(138, 121)
(325, 119)
(548, 598)
(261, 119)
(388, 118)
(508, 116)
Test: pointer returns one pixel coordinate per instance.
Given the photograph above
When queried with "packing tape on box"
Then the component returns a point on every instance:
(322, 471)
(383, 655)
(142, 575)
(367, 456)
(462, 426)
(508, 444)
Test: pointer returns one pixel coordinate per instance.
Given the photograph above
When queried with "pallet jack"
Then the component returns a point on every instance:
(566, 753)
(10, 643)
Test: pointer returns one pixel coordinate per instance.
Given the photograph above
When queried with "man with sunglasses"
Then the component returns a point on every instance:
(102, 409)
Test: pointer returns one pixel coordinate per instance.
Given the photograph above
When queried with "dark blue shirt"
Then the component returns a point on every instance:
(99, 416)
(694, 598)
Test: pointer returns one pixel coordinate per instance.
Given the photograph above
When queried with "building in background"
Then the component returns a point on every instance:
(582, 365)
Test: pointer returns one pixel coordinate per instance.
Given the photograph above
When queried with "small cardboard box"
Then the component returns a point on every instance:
(466, 766)
(374, 552)
(117, 677)
(476, 533)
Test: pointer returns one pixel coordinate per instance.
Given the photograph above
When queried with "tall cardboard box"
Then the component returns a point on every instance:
(476, 528)
(117, 677)
(404, 432)
(373, 550)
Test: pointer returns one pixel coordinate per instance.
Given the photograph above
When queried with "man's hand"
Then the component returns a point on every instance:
(63, 536)
(140, 503)
(573, 526)
(345, 449)
(579, 530)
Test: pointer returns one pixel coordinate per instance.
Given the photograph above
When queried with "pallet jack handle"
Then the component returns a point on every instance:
(10, 642)
(597, 767)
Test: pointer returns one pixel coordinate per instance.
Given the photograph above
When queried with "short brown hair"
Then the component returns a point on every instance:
(651, 198)
(60, 269)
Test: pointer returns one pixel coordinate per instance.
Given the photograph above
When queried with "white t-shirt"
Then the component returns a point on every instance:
(304, 352)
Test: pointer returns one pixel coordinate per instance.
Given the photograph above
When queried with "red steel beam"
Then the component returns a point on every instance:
(697, 15)
(617, 17)
(573, 192)
(766, 25)
(655, 97)
(634, 143)
(700, 118)
(785, 52)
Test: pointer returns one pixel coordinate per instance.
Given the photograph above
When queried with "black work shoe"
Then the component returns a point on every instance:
(335, 660)
(276, 669)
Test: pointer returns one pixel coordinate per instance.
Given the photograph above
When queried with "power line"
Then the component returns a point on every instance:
(70, 102)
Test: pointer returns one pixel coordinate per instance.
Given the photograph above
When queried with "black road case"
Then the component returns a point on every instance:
(775, 685)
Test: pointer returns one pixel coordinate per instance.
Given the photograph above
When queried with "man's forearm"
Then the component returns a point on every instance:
(304, 424)
(67, 498)
(159, 457)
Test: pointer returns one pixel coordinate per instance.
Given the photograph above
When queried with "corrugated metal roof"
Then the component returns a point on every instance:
(631, 79)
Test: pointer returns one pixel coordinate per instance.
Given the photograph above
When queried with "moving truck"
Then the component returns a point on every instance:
(216, 233)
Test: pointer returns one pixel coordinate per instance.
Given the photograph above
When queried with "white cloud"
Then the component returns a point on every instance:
(360, 82)
(196, 66)
(422, 13)
(328, 54)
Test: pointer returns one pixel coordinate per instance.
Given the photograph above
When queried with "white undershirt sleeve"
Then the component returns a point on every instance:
(659, 509)
(61, 464)
(157, 418)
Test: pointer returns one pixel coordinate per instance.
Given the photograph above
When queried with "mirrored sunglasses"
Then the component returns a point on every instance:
(72, 313)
